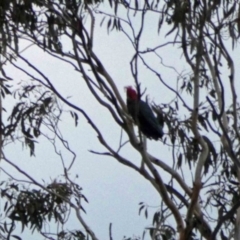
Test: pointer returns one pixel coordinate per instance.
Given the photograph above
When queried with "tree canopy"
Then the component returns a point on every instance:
(186, 51)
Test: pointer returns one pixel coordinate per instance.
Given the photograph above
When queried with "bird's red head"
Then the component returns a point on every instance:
(131, 93)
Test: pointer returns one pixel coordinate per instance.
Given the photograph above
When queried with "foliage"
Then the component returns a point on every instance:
(203, 136)
(34, 208)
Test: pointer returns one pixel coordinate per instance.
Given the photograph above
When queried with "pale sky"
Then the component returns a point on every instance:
(113, 190)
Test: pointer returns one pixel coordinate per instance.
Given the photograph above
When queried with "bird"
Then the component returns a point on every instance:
(143, 115)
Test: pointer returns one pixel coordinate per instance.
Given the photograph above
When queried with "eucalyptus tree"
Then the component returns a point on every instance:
(201, 122)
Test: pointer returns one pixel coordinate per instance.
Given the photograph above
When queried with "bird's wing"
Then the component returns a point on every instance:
(148, 122)
(146, 112)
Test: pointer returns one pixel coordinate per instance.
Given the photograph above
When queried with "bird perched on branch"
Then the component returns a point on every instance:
(143, 115)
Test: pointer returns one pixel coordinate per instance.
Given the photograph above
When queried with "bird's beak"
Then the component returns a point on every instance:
(125, 88)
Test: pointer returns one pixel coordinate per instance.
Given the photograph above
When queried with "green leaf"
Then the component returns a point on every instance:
(16, 237)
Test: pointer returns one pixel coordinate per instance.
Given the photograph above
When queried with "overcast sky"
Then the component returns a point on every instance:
(113, 190)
